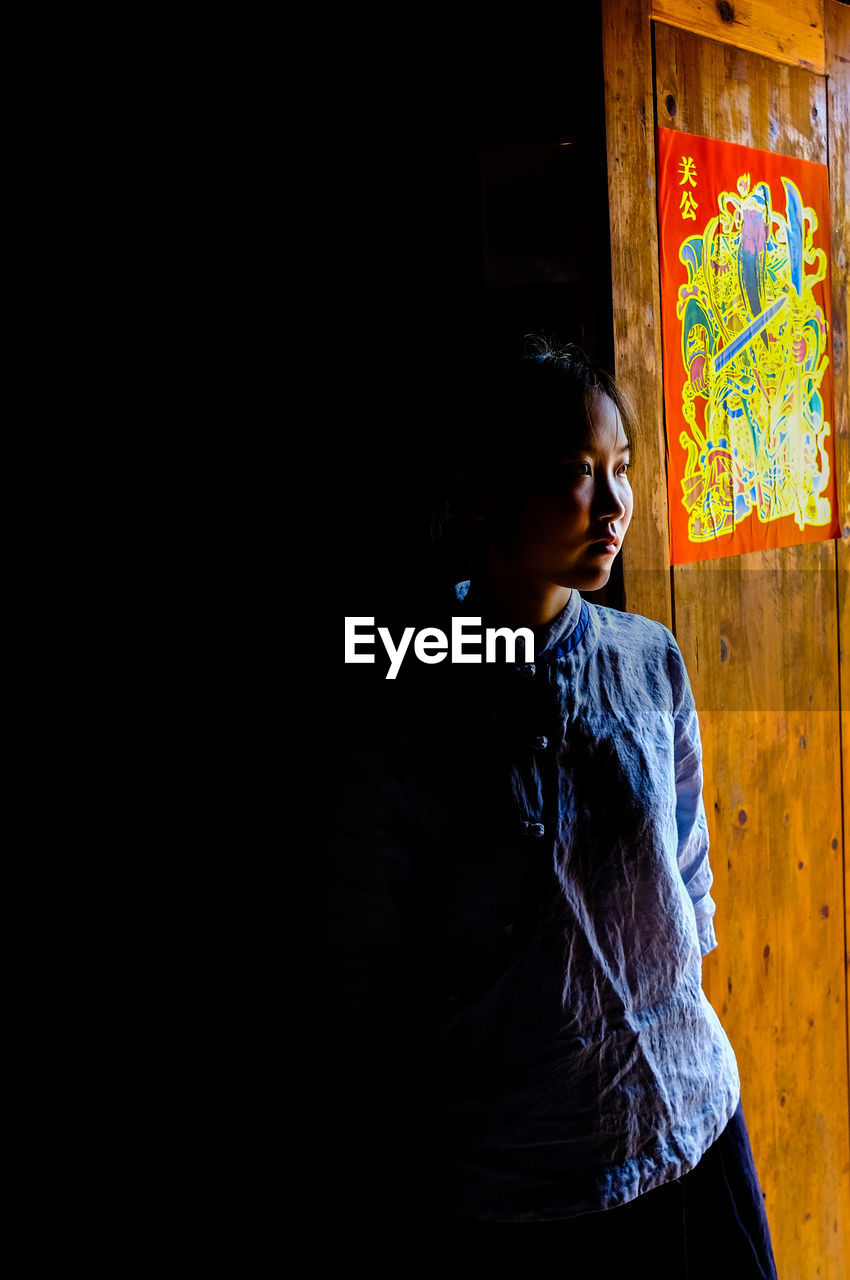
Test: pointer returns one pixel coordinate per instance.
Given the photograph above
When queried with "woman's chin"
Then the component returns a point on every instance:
(590, 581)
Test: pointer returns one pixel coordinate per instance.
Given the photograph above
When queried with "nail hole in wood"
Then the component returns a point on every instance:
(670, 104)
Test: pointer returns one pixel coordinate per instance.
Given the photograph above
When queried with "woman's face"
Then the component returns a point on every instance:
(570, 526)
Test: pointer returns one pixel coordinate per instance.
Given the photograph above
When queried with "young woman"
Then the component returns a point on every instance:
(519, 883)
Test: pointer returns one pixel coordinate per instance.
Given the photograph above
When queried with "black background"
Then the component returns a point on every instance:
(462, 197)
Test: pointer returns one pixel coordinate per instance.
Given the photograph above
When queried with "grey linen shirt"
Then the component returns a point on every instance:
(520, 900)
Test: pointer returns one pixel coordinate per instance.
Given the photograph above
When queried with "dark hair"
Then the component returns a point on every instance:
(572, 381)
(522, 405)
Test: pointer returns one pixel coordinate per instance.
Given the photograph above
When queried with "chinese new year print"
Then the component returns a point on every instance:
(745, 302)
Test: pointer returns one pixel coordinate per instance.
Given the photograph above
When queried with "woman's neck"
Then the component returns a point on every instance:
(516, 604)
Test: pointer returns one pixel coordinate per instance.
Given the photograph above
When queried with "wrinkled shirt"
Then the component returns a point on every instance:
(520, 902)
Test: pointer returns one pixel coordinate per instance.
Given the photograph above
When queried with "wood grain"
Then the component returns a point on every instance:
(789, 31)
(837, 33)
(636, 295)
(759, 634)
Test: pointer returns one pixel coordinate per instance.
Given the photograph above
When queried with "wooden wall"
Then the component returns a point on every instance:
(764, 635)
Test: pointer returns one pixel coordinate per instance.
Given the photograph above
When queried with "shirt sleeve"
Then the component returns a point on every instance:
(691, 822)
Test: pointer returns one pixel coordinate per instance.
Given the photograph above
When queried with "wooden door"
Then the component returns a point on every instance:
(763, 634)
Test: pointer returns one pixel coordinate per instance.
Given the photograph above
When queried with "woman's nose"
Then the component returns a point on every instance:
(609, 501)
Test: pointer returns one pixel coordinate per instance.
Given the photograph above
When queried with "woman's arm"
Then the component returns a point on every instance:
(690, 810)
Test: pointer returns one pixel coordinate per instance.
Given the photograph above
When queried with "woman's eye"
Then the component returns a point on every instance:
(581, 469)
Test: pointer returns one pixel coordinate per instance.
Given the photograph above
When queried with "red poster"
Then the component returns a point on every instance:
(745, 306)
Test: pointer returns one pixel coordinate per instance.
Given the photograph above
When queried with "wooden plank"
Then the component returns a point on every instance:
(636, 295)
(789, 31)
(732, 86)
(759, 635)
(837, 39)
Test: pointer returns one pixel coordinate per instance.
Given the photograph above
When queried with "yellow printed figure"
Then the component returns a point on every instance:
(753, 347)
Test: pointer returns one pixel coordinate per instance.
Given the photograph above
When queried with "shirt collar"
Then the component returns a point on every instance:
(556, 632)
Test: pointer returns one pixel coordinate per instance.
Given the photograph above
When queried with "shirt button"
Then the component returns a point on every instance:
(535, 829)
(540, 743)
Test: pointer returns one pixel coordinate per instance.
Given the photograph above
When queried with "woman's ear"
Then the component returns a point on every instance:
(478, 507)
(470, 497)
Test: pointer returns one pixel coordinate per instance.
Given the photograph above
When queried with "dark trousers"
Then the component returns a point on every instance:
(709, 1224)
